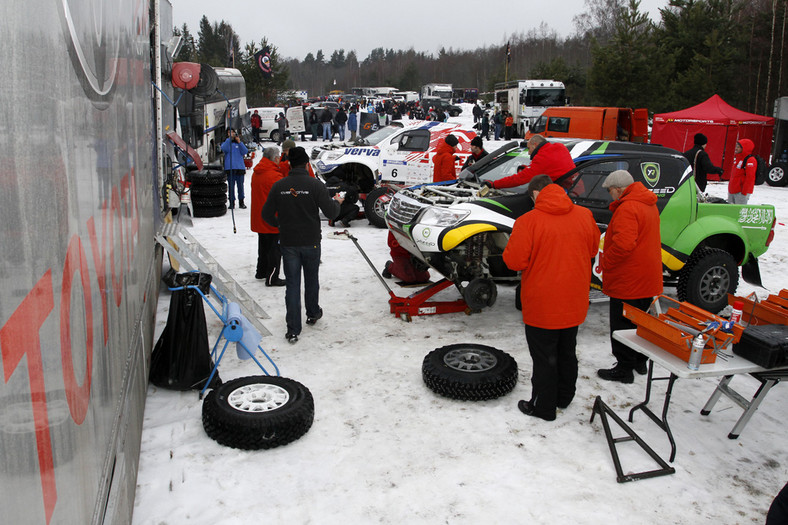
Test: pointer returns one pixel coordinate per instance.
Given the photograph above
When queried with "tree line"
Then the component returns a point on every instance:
(617, 56)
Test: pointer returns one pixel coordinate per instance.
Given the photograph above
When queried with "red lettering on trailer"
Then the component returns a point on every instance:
(99, 261)
(78, 397)
(20, 337)
(116, 217)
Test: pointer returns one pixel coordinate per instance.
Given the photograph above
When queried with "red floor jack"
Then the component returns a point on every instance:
(418, 302)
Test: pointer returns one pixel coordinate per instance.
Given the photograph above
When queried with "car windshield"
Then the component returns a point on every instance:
(376, 137)
(505, 165)
(540, 125)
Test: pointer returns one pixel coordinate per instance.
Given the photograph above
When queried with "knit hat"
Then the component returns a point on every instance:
(451, 140)
(298, 157)
(477, 141)
(618, 179)
(700, 139)
(288, 144)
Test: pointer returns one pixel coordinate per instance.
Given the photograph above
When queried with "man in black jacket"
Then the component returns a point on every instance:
(700, 162)
(293, 205)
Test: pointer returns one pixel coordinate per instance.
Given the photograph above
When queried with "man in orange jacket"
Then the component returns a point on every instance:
(443, 162)
(547, 158)
(268, 255)
(553, 245)
(631, 262)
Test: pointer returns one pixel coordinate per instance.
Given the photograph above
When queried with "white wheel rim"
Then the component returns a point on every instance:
(258, 398)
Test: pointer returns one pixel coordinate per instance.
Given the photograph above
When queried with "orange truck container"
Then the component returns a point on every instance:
(589, 122)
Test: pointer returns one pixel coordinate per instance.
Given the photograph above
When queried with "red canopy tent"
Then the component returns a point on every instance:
(722, 124)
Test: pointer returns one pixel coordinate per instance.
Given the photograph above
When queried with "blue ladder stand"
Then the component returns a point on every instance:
(232, 331)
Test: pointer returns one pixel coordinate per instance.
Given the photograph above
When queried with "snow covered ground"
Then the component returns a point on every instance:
(385, 449)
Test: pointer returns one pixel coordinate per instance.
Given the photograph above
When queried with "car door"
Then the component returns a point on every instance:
(406, 161)
(586, 186)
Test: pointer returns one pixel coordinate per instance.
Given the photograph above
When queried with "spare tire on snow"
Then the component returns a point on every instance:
(206, 177)
(469, 372)
(258, 412)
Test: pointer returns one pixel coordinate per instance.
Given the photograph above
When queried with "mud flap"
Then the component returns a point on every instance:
(751, 273)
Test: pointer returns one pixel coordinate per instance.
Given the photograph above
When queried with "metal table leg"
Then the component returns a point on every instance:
(661, 422)
(749, 406)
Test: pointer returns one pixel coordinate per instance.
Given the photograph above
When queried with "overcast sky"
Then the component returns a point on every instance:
(424, 25)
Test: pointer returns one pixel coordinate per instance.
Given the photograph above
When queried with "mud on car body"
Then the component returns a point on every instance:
(389, 160)
(462, 235)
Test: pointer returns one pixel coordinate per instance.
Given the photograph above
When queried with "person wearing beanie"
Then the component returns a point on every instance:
(293, 205)
(477, 152)
(700, 162)
(234, 151)
(443, 161)
(631, 263)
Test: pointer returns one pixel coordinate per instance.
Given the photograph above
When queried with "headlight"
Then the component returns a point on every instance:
(442, 216)
(332, 155)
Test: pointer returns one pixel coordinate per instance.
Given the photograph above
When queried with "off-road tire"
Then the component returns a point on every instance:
(469, 372)
(778, 174)
(708, 277)
(202, 177)
(375, 205)
(208, 190)
(209, 211)
(209, 202)
(258, 412)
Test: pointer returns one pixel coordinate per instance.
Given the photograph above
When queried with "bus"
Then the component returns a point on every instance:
(205, 120)
(526, 100)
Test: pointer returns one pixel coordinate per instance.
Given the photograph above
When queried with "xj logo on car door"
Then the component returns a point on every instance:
(650, 172)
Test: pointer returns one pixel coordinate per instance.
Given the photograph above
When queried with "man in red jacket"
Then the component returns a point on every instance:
(553, 245)
(743, 174)
(547, 158)
(268, 255)
(443, 162)
(631, 262)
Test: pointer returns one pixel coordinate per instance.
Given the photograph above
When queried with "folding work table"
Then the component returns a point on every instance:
(726, 366)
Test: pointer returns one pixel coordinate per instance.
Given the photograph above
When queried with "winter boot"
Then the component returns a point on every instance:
(241, 204)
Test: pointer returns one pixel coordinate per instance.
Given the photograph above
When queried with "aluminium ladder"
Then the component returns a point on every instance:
(192, 256)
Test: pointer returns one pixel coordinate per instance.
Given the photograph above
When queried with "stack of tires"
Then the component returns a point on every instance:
(208, 191)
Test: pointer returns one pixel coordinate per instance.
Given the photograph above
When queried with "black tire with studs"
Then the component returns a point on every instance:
(208, 190)
(469, 372)
(209, 202)
(206, 176)
(258, 412)
(708, 277)
(210, 211)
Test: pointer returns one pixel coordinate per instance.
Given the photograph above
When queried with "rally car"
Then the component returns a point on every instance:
(462, 235)
(388, 161)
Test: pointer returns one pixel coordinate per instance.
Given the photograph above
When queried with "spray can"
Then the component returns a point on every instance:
(697, 352)
(736, 312)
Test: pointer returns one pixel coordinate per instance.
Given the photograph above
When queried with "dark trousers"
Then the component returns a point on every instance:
(294, 260)
(235, 179)
(555, 367)
(626, 357)
(268, 257)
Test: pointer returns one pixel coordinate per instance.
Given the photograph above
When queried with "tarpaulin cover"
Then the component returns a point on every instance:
(722, 124)
(181, 359)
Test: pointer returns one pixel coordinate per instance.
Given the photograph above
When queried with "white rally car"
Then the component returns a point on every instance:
(389, 159)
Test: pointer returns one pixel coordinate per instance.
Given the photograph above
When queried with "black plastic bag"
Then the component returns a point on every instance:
(181, 359)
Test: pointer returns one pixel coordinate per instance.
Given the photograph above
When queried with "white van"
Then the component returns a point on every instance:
(269, 129)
